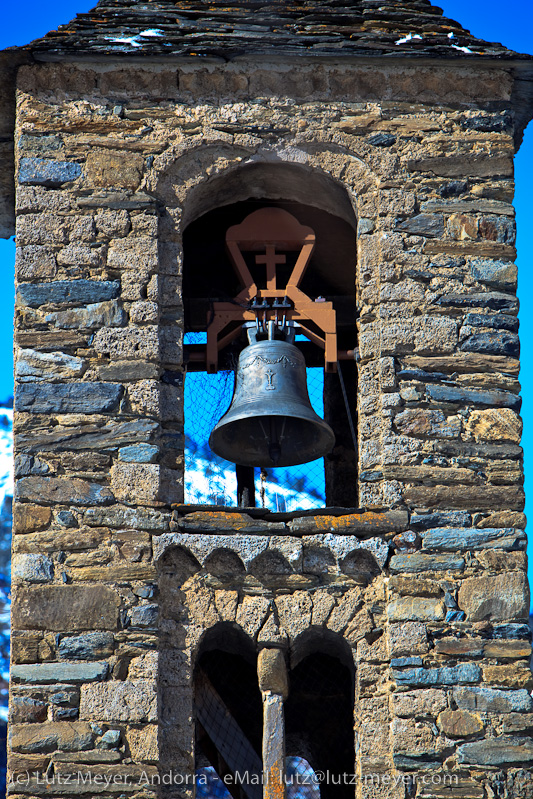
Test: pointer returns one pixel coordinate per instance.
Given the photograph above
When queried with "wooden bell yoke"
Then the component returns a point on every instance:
(271, 232)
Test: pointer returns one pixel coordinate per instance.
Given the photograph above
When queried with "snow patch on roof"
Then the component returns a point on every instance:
(408, 38)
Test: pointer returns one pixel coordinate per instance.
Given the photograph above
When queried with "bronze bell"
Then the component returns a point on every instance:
(270, 421)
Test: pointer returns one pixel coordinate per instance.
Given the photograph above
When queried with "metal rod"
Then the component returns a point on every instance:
(347, 406)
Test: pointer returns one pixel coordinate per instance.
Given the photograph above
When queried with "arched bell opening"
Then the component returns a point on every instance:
(209, 277)
(319, 710)
(228, 714)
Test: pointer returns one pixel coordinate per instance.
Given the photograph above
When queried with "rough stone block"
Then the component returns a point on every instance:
(129, 342)
(416, 609)
(114, 169)
(143, 744)
(67, 397)
(68, 291)
(28, 517)
(428, 702)
(511, 676)
(144, 483)
(35, 262)
(410, 637)
(32, 568)
(47, 172)
(459, 723)
(412, 737)
(119, 701)
(500, 598)
(495, 424)
(65, 608)
(272, 672)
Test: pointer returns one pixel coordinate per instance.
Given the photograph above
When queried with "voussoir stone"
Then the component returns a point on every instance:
(500, 598)
(65, 608)
(118, 701)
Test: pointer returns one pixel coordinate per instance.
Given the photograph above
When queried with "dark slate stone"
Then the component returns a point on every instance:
(497, 343)
(488, 123)
(424, 521)
(60, 672)
(496, 751)
(66, 519)
(401, 663)
(497, 321)
(46, 172)
(143, 615)
(172, 378)
(472, 396)
(39, 144)
(453, 189)
(382, 139)
(471, 450)
(417, 562)
(455, 615)
(495, 300)
(512, 631)
(456, 538)
(423, 225)
(499, 274)
(416, 762)
(493, 700)
(87, 646)
(62, 291)
(371, 477)
(465, 673)
(67, 397)
(424, 377)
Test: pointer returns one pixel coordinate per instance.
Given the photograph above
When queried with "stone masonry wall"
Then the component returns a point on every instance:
(426, 583)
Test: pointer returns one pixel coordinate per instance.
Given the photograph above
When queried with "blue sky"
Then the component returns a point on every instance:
(510, 23)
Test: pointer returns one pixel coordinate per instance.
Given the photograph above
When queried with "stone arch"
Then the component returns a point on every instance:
(319, 199)
(319, 708)
(227, 702)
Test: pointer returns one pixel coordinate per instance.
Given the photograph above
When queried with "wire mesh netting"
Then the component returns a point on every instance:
(211, 480)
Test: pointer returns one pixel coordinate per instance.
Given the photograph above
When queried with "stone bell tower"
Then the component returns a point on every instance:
(381, 640)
